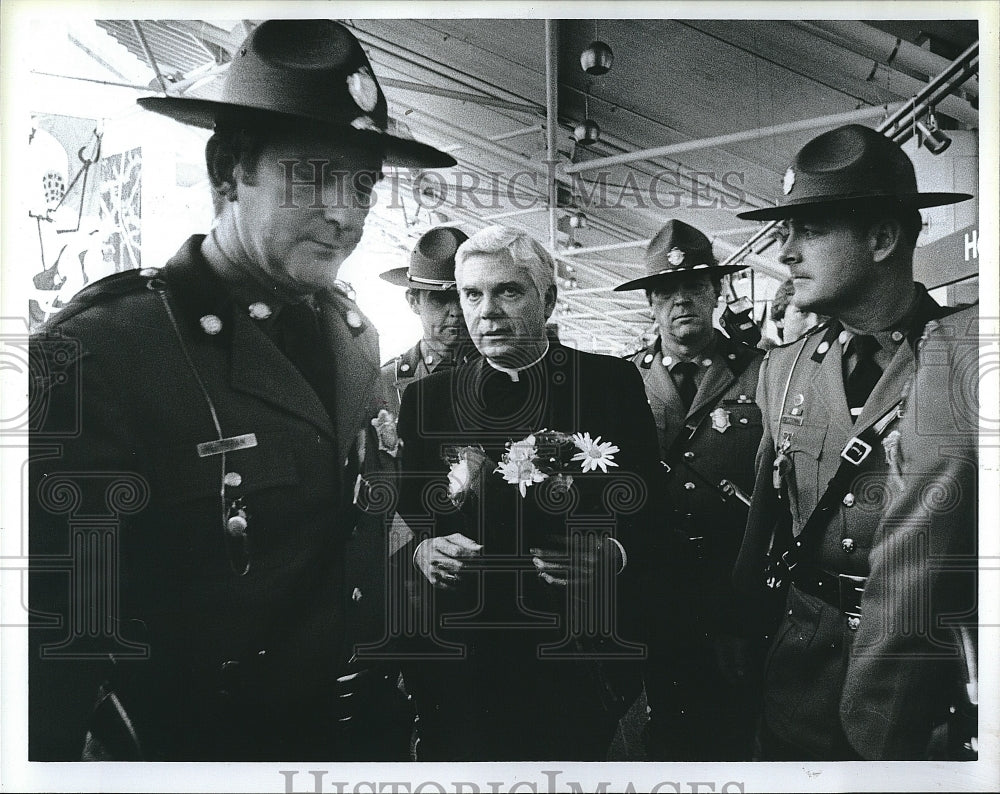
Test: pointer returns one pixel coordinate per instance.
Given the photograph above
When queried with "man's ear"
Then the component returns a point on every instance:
(884, 238)
(550, 301)
(222, 167)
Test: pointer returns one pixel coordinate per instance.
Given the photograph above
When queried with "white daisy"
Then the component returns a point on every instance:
(521, 451)
(593, 453)
(521, 473)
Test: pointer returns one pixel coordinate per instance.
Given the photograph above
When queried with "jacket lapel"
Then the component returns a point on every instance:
(257, 367)
(660, 386)
(828, 381)
(718, 377)
(888, 389)
(356, 373)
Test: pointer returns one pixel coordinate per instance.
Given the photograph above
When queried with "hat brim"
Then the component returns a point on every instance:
(400, 152)
(914, 200)
(647, 282)
(399, 277)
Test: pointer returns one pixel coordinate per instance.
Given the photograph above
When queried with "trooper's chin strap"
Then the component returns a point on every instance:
(513, 373)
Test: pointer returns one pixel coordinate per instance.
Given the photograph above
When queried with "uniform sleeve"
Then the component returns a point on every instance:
(423, 502)
(82, 465)
(759, 607)
(905, 670)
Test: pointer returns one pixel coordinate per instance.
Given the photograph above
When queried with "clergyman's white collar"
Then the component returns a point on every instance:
(513, 373)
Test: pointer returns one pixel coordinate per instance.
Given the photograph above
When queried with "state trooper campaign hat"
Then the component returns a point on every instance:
(432, 263)
(295, 71)
(677, 250)
(850, 164)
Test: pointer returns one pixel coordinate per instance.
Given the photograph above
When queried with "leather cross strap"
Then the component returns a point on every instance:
(854, 453)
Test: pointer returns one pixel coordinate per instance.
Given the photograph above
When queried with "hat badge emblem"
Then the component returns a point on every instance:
(789, 181)
(675, 256)
(363, 89)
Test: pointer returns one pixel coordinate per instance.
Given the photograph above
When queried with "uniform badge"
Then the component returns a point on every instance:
(789, 181)
(675, 256)
(720, 420)
(385, 429)
(363, 89)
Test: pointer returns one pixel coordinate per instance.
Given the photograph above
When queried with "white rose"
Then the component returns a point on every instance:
(458, 478)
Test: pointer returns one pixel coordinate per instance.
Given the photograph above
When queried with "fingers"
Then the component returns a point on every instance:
(439, 559)
(458, 545)
(548, 572)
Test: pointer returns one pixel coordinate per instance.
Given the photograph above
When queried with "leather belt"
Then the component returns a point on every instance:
(842, 591)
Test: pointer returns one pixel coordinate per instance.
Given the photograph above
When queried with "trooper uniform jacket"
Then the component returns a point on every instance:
(715, 439)
(699, 713)
(401, 371)
(903, 677)
(192, 516)
(807, 426)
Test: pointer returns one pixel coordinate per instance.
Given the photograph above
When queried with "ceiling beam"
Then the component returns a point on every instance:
(834, 120)
(149, 54)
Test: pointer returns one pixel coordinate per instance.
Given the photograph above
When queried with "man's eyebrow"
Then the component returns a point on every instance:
(510, 285)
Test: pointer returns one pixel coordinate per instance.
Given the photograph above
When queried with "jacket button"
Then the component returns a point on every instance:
(849, 500)
(356, 595)
(689, 486)
(689, 455)
(210, 324)
(853, 623)
(236, 526)
(847, 544)
(233, 479)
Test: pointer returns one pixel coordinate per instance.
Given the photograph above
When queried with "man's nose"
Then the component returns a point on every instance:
(490, 307)
(350, 220)
(789, 251)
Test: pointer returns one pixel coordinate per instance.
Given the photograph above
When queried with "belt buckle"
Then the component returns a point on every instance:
(851, 589)
(856, 451)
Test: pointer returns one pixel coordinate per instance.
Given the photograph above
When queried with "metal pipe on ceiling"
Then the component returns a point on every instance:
(817, 59)
(833, 120)
(898, 127)
(552, 122)
(605, 227)
(149, 54)
(413, 59)
(441, 70)
(596, 249)
(869, 41)
(958, 71)
(464, 96)
(511, 214)
(478, 221)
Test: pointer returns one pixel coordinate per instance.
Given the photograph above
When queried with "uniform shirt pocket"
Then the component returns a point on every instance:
(744, 415)
(182, 476)
(805, 449)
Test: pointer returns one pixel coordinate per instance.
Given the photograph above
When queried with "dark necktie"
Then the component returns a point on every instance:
(683, 375)
(301, 340)
(865, 373)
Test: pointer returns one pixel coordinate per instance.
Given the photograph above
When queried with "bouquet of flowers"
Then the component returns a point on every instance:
(542, 455)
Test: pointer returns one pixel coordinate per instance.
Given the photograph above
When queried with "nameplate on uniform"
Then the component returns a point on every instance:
(208, 448)
(787, 419)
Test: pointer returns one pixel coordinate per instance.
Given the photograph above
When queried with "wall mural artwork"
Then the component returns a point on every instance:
(86, 209)
(121, 205)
